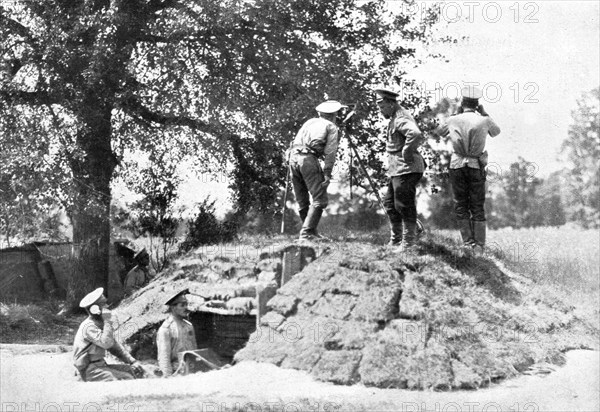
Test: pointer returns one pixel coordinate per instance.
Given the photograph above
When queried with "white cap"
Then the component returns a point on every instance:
(330, 106)
(471, 92)
(91, 298)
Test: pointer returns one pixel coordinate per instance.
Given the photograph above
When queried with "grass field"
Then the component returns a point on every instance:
(565, 259)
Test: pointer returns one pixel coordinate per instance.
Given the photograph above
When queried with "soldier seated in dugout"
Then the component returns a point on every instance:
(94, 337)
(178, 352)
(139, 275)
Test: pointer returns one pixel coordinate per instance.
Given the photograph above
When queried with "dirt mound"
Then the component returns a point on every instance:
(433, 318)
(221, 274)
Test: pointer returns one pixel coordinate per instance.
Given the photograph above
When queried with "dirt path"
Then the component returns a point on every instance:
(45, 382)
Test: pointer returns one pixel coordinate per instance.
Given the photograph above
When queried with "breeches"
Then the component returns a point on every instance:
(468, 193)
(399, 201)
(307, 178)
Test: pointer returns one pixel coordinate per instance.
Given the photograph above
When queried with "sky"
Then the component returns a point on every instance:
(532, 59)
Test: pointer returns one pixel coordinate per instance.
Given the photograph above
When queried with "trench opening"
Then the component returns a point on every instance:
(224, 334)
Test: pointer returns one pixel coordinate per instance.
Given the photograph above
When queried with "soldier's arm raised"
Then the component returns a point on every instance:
(493, 128)
(101, 337)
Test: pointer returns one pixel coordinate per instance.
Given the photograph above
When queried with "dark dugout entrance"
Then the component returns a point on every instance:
(224, 331)
(225, 334)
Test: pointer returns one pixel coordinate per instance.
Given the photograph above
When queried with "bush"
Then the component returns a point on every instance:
(205, 229)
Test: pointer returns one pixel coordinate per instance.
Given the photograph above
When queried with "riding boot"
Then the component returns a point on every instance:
(466, 231)
(309, 228)
(396, 233)
(303, 213)
(409, 234)
(479, 232)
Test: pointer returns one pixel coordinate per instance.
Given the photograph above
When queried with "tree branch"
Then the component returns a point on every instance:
(157, 5)
(16, 28)
(135, 108)
(37, 98)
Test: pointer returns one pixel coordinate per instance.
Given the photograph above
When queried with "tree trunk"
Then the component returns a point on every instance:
(91, 209)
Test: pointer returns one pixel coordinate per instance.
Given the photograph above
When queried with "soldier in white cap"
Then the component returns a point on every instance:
(405, 168)
(140, 274)
(468, 131)
(318, 138)
(94, 337)
(175, 336)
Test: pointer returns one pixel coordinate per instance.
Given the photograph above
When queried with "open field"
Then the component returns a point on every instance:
(565, 260)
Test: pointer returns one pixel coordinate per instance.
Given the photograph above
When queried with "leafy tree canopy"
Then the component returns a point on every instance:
(228, 80)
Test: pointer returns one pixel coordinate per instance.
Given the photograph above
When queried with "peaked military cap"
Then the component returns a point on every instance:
(91, 298)
(386, 94)
(330, 106)
(173, 300)
(141, 253)
(471, 92)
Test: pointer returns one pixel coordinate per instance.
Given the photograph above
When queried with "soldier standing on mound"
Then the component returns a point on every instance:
(317, 138)
(405, 168)
(468, 131)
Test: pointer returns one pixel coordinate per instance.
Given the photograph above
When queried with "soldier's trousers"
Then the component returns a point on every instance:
(468, 193)
(307, 177)
(399, 201)
(103, 372)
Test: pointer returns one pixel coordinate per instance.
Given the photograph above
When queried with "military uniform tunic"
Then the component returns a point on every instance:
(403, 138)
(405, 167)
(468, 132)
(317, 138)
(94, 337)
(174, 336)
(135, 279)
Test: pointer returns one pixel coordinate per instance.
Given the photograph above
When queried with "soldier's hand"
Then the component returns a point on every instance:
(481, 110)
(106, 314)
(137, 368)
(326, 182)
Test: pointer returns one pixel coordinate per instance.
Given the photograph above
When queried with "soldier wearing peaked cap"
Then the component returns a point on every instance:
(140, 274)
(175, 336)
(468, 131)
(94, 337)
(405, 168)
(317, 138)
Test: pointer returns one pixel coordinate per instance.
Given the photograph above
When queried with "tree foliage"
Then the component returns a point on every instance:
(234, 78)
(524, 199)
(582, 176)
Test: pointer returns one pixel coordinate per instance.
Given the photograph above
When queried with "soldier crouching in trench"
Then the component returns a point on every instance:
(93, 338)
(178, 352)
(175, 335)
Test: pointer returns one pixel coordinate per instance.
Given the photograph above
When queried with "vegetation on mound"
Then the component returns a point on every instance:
(432, 318)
